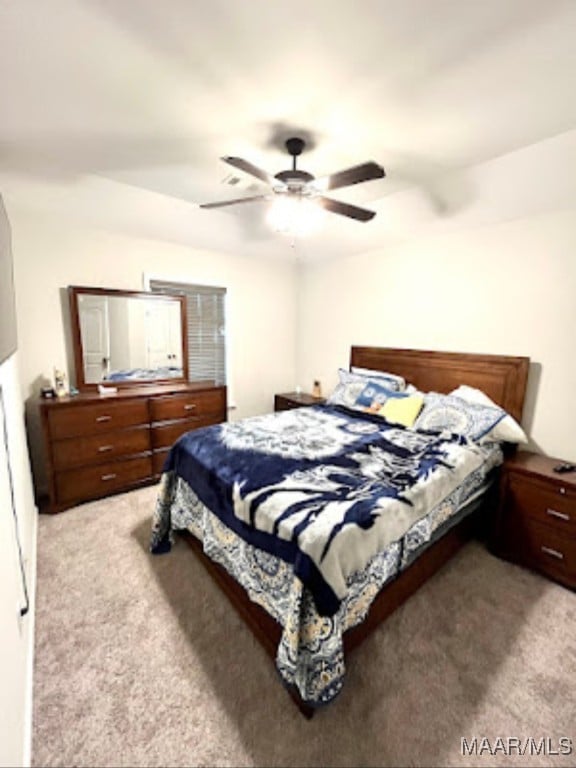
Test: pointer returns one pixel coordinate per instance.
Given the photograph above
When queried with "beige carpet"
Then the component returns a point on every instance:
(140, 661)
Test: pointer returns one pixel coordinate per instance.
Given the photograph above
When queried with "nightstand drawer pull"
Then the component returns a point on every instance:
(189, 407)
(105, 448)
(562, 490)
(552, 552)
(103, 418)
(113, 475)
(559, 515)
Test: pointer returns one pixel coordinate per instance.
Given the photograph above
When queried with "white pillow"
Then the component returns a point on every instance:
(508, 430)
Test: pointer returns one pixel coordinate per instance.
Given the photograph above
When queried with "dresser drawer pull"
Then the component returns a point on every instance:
(103, 418)
(111, 476)
(105, 448)
(559, 515)
(552, 552)
(189, 407)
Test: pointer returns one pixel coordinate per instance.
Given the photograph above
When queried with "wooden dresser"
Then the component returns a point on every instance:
(536, 523)
(97, 445)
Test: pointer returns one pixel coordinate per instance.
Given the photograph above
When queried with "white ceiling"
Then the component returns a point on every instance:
(152, 93)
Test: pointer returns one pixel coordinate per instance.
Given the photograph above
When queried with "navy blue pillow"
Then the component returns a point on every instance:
(374, 392)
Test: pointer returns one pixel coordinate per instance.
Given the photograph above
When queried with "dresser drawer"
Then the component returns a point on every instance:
(550, 503)
(158, 459)
(80, 451)
(544, 548)
(165, 435)
(93, 419)
(191, 404)
(82, 484)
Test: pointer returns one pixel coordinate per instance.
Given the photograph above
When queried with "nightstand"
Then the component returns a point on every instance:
(536, 523)
(289, 400)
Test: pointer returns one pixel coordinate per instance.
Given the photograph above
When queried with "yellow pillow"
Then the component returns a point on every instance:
(402, 410)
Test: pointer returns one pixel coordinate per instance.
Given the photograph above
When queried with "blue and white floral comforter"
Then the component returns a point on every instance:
(318, 500)
(137, 374)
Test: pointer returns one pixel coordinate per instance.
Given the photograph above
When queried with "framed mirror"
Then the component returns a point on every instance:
(127, 338)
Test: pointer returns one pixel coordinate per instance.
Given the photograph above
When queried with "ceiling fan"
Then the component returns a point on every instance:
(302, 185)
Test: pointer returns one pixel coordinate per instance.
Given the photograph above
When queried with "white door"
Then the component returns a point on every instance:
(163, 335)
(95, 330)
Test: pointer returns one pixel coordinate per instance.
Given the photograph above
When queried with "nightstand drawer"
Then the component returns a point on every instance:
(547, 550)
(550, 503)
(536, 524)
(283, 404)
(289, 400)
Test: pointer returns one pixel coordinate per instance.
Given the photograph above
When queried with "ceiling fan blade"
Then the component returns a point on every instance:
(345, 209)
(253, 170)
(233, 202)
(354, 175)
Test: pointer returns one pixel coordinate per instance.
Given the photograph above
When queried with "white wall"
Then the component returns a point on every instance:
(57, 242)
(505, 287)
(496, 277)
(16, 633)
(52, 251)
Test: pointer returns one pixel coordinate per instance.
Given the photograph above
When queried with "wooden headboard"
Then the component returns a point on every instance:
(503, 378)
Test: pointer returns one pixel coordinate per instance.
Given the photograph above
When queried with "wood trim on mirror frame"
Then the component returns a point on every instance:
(75, 290)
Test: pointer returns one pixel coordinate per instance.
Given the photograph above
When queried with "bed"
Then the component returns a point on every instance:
(319, 522)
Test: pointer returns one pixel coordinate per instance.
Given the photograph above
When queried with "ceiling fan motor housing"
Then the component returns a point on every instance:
(294, 177)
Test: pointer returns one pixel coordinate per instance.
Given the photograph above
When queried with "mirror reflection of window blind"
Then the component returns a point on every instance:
(206, 325)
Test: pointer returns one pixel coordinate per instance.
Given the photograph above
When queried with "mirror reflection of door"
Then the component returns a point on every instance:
(163, 335)
(128, 336)
(95, 330)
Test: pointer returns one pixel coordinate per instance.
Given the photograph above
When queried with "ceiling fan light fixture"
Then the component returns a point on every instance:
(298, 200)
(295, 216)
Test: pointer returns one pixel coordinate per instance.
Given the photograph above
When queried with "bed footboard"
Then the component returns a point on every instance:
(268, 632)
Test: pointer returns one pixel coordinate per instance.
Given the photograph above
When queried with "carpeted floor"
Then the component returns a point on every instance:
(140, 661)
